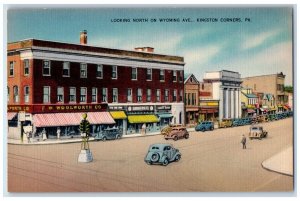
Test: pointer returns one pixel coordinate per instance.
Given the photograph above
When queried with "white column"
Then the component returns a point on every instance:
(232, 103)
(226, 103)
(221, 104)
(237, 103)
(240, 104)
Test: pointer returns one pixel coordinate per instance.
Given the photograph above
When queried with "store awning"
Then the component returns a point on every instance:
(250, 111)
(118, 115)
(70, 119)
(285, 107)
(165, 115)
(11, 115)
(148, 118)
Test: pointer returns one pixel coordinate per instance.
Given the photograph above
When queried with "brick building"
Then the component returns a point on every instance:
(137, 87)
(209, 107)
(191, 90)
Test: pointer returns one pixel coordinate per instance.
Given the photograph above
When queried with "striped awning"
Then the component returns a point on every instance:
(11, 115)
(147, 118)
(118, 114)
(70, 119)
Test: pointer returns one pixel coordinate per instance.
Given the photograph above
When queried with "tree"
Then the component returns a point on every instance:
(288, 89)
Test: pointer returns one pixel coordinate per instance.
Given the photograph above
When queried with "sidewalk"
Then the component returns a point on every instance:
(281, 162)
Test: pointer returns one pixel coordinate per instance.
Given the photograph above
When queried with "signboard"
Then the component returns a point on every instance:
(163, 107)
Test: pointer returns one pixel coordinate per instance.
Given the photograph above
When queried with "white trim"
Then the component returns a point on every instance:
(81, 95)
(96, 95)
(147, 74)
(49, 94)
(74, 95)
(117, 95)
(118, 61)
(86, 70)
(69, 71)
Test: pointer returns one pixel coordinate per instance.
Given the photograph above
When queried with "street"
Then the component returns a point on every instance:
(212, 161)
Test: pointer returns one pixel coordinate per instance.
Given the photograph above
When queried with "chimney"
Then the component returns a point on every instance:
(83, 37)
(144, 49)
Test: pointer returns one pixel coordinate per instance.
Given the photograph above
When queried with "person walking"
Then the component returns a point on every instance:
(44, 134)
(58, 133)
(243, 141)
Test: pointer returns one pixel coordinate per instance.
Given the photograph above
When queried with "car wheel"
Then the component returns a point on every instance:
(104, 139)
(178, 157)
(202, 129)
(175, 138)
(155, 157)
(166, 162)
(187, 136)
(118, 137)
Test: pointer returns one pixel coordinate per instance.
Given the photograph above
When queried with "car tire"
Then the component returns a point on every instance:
(166, 162)
(155, 157)
(178, 157)
(202, 129)
(175, 138)
(187, 136)
(104, 139)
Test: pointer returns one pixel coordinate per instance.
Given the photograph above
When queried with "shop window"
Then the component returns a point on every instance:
(134, 73)
(16, 94)
(46, 68)
(129, 95)
(174, 76)
(26, 67)
(60, 94)
(46, 94)
(72, 95)
(104, 94)
(162, 75)
(66, 69)
(99, 71)
(83, 70)
(148, 95)
(11, 68)
(157, 95)
(115, 95)
(94, 94)
(114, 74)
(26, 94)
(139, 95)
(166, 95)
(82, 94)
(149, 74)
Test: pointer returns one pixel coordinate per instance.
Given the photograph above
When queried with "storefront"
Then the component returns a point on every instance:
(209, 110)
(121, 120)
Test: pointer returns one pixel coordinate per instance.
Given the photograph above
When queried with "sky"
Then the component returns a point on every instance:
(261, 44)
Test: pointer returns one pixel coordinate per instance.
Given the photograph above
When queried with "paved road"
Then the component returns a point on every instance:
(211, 162)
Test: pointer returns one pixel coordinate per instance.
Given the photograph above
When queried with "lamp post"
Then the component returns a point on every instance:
(85, 155)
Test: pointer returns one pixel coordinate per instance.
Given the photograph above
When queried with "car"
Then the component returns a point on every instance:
(109, 134)
(166, 130)
(205, 126)
(257, 132)
(272, 117)
(246, 121)
(225, 123)
(162, 154)
(237, 122)
(177, 133)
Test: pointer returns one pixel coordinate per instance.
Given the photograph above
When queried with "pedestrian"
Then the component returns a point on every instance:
(28, 136)
(243, 141)
(44, 134)
(58, 132)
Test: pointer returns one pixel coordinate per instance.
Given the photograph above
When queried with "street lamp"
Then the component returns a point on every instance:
(85, 155)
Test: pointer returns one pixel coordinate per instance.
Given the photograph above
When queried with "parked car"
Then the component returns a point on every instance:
(272, 117)
(109, 134)
(257, 132)
(205, 126)
(177, 133)
(246, 121)
(166, 130)
(237, 122)
(162, 154)
(225, 123)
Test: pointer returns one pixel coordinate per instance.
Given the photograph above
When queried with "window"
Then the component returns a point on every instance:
(158, 95)
(46, 94)
(180, 76)
(16, 94)
(148, 95)
(66, 69)
(202, 86)
(162, 75)
(129, 95)
(99, 71)
(139, 95)
(46, 68)
(104, 94)
(175, 95)
(166, 95)
(134, 73)
(26, 94)
(11, 68)
(181, 95)
(8, 94)
(83, 70)
(114, 74)
(26, 67)
(174, 76)
(94, 94)
(72, 96)
(60, 94)
(149, 74)
(115, 95)
(82, 94)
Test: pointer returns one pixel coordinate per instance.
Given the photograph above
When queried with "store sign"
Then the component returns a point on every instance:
(163, 107)
(216, 103)
(140, 108)
(57, 108)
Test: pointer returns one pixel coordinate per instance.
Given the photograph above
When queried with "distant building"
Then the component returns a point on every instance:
(250, 104)
(226, 87)
(209, 107)
(191, 99)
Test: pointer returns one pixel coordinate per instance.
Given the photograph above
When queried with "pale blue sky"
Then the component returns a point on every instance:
(261, 46)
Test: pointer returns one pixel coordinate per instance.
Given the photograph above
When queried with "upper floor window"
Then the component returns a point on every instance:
(26, 67)
(8, 94)
(46, 94)
(114, 74)
(94, 94)
(72, 95)
(162, 75)
(16, 94)
(83, 70)
(60, 94)
(174, 76)
(115, 95)
(180, 76)
(157, 95)
(129, 95)
(99, 71)
(26, 94)
(175, 95)
(166, 95)
(104, 94)
(148, 95)
(134, 73)
(139, 95)
(149, 74)
(46, 68)
(11, 68)
(83, 94)
(66, 69)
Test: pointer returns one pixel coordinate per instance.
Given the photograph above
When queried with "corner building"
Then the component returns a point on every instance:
(133, 88)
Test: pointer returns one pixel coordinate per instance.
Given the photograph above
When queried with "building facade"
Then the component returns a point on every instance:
(136, 87)
(250, 106)
(209, 107)
(226, 87)
(191, 88)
